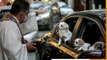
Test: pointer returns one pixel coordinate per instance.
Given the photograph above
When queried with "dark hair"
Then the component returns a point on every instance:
(8, 3)
(19, 5)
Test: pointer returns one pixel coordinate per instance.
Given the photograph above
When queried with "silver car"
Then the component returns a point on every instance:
(48, 19)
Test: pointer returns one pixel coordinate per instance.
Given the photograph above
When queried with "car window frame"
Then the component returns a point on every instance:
(98, 23)
(76, 27)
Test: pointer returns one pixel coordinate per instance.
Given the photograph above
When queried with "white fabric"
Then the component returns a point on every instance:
(10, 37)
(30, 26)
(29, 37)
(19, 50)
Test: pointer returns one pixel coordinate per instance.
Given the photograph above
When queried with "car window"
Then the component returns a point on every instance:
(71, 23)
(90, 31)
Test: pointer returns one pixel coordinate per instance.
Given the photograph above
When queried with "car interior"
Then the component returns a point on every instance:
(91, 32)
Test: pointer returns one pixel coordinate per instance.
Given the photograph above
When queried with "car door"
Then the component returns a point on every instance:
(73, 23)
(92, 30)
(66, 50)
(89, 28)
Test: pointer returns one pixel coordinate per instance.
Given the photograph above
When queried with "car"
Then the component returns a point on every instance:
(48, 19)
(64, 9)
(36, 5)
(3, 10)
(88, 25)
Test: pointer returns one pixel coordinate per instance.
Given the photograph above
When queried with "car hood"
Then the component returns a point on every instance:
(42, 16)
(66, 11)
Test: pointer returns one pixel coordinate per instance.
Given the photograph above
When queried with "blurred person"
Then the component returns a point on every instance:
(12, 44)
(8, 4)
(30, 25)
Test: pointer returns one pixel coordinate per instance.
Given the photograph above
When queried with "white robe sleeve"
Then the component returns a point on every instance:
(11, 39)
(31, 24)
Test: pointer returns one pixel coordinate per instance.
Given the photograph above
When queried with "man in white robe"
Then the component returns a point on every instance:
(11, 47)
(31, 27)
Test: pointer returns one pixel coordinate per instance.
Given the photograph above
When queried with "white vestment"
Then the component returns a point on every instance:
(30, 26)
(11, 47)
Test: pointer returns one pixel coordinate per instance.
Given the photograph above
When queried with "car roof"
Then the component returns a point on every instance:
(100, 13)
(5, 8)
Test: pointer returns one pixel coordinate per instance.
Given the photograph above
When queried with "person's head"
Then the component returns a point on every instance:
(20, 10)
(8, 3)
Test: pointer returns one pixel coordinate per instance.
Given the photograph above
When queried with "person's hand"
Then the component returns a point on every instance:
(31, 46)
(39, 40)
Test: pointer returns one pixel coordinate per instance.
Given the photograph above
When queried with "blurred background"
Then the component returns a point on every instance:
(74, 4)
(54, 10)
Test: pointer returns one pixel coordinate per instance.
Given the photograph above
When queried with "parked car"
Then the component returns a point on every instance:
(64, 9)
(87, 25)
(48, 19)
(3, 10)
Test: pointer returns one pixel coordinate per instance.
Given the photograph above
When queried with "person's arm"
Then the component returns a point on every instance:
(31, 24)
(30, 27)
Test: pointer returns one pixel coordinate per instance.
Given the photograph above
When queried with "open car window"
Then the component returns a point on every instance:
(70, 21)
(91, 33)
